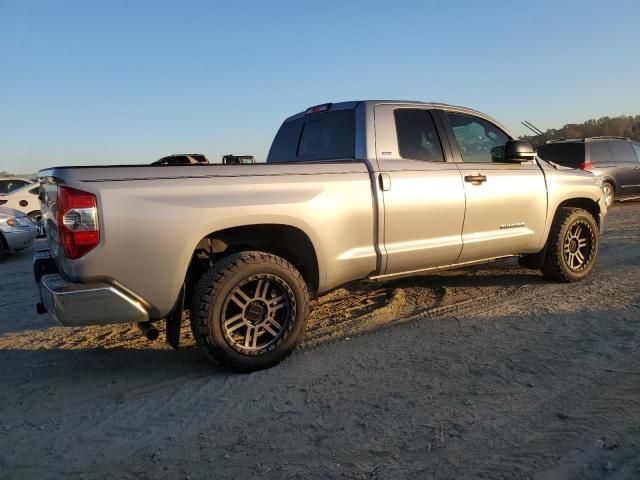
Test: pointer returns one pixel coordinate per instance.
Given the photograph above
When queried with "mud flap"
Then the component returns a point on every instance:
(533, 261)
(174, 321)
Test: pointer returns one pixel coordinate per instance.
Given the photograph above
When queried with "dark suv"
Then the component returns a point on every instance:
(614, 159)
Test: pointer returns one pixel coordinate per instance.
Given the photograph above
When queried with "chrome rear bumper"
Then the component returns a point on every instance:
(77, 304)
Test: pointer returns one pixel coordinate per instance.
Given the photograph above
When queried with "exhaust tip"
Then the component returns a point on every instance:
(149, 330)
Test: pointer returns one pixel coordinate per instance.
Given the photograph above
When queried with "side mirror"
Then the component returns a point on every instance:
(518, 151)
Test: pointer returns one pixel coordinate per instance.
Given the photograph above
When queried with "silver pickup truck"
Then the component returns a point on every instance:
(353, 190)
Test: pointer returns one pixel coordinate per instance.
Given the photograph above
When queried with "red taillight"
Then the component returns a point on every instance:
(77, 221)
(586, 166)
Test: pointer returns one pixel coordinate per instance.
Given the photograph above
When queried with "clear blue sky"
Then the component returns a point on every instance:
(117, 81)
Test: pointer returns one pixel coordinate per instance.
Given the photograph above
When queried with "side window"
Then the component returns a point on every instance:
(636, 147)
(317, 137)
(328, 136)
(622, 152)
(479, 141)
(417, 135)
(35, 191)
(600, 153)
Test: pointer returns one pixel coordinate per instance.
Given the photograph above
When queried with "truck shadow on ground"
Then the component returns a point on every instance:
(356, 308)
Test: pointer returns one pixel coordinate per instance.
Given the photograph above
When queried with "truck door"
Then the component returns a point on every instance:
(506, 203)
(423, 193)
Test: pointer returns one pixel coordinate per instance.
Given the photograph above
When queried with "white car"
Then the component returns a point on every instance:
(24, 199)
(9, 184)
(17, 231)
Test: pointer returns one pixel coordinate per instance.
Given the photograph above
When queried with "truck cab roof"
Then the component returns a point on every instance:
(370, 104)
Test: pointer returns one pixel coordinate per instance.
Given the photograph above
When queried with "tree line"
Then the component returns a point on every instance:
(621, 126)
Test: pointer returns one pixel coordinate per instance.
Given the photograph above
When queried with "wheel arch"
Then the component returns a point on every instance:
(587, 204)
(286, 241)
(612, 181)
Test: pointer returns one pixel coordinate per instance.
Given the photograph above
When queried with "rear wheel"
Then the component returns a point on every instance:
(2, 249)
(250, 310)
(609, 193)
(572, 247)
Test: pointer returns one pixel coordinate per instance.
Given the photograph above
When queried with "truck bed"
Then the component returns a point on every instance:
(153, 217)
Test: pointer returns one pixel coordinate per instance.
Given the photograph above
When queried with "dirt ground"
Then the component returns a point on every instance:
(487, 372)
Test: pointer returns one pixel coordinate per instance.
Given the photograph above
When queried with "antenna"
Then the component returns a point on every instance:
(531, 125)
(534, 131)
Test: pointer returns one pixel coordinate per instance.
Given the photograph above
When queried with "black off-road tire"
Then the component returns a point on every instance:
(556, 266)
(211, 298)
(2, 248)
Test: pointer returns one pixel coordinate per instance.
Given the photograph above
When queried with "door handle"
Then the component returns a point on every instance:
(385, 182)
(637, 168)
(475, 179)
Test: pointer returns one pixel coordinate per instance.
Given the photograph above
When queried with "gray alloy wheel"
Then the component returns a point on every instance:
(256, 312)
(578, 246)
(607, 190)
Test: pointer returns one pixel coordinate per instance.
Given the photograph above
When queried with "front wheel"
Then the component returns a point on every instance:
(572, 247)
(609, 194)
(250, 310)
(36, 216)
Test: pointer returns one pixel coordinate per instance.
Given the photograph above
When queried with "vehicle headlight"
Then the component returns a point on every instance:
(19, 222)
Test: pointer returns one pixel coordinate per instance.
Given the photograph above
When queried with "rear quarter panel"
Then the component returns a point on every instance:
(151, 220)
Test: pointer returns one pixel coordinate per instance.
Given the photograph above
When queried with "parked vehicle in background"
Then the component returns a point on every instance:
(616, 160)
(24, 199)
(238, 159)
(352, 190)
(17, 231)
(8, 185)
(183, 159)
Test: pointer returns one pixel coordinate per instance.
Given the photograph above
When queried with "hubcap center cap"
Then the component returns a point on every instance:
(573, 246)
(256, 312)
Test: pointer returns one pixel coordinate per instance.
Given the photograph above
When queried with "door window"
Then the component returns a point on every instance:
(417, 135)
(636, 147)
(479, 140)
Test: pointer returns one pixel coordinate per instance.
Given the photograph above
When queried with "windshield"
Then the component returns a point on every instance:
(8, 185)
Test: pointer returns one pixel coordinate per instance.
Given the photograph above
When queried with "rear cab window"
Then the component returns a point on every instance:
(318, 137)
(569, 154)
